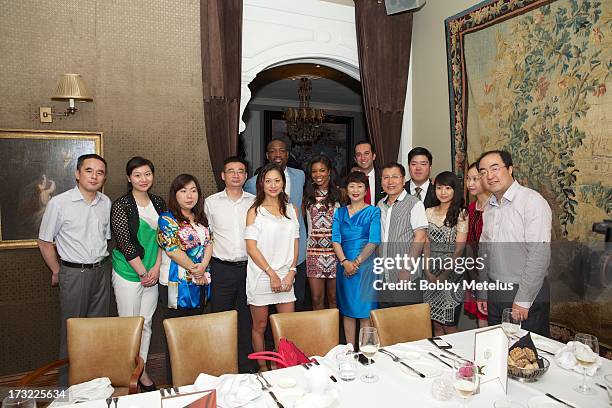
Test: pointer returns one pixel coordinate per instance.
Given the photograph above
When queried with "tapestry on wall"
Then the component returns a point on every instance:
(531, 77)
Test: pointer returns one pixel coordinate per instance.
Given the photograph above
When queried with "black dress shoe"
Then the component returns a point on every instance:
(147, 388)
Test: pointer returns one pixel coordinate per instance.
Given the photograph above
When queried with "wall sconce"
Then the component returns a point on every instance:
(71, 88)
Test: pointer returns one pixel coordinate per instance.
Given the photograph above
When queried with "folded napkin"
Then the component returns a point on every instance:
(96, 389)
(566, 359)
(330, 357)
(233, 390)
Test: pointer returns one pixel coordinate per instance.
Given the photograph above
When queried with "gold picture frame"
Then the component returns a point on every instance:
(36, 165)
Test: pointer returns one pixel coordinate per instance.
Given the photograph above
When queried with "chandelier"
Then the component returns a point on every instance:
(304, 123)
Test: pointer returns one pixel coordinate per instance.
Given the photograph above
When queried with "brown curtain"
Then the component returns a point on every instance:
(221, 41)
(383, 43)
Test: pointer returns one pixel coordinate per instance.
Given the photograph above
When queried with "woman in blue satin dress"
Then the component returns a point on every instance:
(355, 236)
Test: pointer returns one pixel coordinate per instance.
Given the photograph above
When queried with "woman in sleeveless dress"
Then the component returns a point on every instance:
(321, 199)
(447, 234)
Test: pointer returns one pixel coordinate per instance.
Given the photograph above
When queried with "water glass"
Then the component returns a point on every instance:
(18, 402)
(347, 365)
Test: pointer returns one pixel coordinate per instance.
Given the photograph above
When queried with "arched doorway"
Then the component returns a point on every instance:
(274, 89)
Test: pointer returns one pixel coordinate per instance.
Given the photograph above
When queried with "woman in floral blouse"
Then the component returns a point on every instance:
(184, 236)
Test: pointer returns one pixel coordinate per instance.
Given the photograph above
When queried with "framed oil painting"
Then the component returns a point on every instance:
(335, 141)
(36, 165)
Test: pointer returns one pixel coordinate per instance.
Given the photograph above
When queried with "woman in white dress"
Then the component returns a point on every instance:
(272, 236)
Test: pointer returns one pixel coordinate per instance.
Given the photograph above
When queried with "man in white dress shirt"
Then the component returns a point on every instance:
(226, 213)
(515, 240)
(365, 157)
(420, 185)
(277, 152)
(78, 220)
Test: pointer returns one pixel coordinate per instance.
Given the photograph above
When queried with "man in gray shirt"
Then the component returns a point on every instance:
(515, 242)
(78, 220)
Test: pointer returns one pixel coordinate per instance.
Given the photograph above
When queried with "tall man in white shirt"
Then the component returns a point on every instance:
(277, 152)
(364, 157)
(226, 213)
(403, 232)
(78, 220)
(420, 185)
(515, 240)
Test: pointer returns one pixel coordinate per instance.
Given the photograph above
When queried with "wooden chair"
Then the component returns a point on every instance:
(202, 344)
(402, 324)
(315, 333)
(101, 347)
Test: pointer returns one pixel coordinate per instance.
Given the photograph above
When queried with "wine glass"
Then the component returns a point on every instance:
(586, 351)
(368, 345)
(510, 323)
(18, 402)
(465, 381)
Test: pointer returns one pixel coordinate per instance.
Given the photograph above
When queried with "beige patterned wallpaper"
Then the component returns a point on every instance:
(141, 61)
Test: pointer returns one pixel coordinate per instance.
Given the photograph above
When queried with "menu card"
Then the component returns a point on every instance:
(491, 355)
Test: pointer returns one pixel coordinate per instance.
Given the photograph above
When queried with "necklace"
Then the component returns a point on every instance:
(479, 207)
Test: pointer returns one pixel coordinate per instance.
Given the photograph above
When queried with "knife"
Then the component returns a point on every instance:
(414, 370)
(439, 359)
(398, 360)
(558, 400)
(446, 349)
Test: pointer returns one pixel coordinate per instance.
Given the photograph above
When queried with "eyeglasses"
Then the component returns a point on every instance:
(235, 172)
(493, 170)
(394, 178)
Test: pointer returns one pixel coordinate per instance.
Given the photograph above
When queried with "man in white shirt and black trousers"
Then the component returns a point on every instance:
(226, 213)
(78, 220)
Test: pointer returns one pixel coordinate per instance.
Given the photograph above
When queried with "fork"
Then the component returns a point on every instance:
(396, 359)
(266, 387)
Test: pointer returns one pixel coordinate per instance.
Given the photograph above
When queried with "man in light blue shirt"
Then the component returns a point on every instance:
(277, 153)
(78, 220)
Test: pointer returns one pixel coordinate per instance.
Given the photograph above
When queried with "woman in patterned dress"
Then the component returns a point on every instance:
(447, 234)
(321, 198)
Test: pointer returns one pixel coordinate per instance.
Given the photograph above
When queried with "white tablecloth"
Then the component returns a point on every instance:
(398, 389)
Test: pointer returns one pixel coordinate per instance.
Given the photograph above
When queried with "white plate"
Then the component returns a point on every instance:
(287, 382)
(429, 370)
(546, 345)
(406, 354)
(542, 401)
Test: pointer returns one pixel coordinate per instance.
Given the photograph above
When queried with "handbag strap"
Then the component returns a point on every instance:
(269, 356)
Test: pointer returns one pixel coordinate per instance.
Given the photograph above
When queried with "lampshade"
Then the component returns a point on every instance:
(71, 86)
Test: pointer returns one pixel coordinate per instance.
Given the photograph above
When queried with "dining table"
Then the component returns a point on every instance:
(399, 387)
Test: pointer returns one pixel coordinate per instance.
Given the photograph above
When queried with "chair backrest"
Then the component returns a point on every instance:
(103, 347)
(403, 323)
(202, 344)
(315, 333)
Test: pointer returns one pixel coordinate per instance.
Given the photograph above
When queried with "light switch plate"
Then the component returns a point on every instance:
(45, 115)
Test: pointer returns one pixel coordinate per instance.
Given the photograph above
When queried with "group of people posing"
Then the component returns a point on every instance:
(263, 241)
